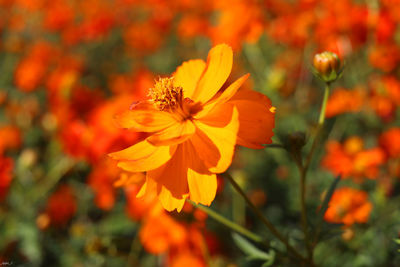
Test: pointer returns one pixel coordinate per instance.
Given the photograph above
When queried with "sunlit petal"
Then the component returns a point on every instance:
(188, 74)
(219, 66)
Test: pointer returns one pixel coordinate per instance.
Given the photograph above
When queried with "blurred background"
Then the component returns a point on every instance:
(67, 67)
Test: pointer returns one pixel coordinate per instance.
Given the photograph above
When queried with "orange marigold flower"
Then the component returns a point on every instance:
(385, 96)
(348, 206)
(160, 232)
(101, 180)
(342, 101)
(29, 74)
(385, 57)
(352, 160)
(187, 259)
(10, 138)
(194, 127)
(390, 141)
(139, 208)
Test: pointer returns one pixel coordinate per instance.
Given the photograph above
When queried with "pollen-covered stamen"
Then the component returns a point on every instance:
(165, 95)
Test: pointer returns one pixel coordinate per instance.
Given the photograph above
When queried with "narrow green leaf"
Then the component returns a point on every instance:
(328, 197)
(252, 252)
(324, 206)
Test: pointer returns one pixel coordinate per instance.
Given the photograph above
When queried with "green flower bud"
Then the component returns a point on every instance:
(327, 66)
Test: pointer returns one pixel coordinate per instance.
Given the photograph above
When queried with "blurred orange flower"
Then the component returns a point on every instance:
(385, 96)
(10, 138)
(342, 101)
(390, 141)
(385, 56)
(160, 232)
(32, 69)
(352, 160)
(348, 206)
(101, 180)
(184, 243)
(187, 259)
(194, 129)
(230, 30)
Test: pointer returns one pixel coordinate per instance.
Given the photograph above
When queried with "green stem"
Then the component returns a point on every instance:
(304, 221)
(236, 227)
(54, 175)
(275, 146)
(134, 251)
(323, 107)
(303, 173)
(319, 128)
(267, 223)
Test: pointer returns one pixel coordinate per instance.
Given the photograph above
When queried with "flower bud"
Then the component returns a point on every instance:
(297, 140)
(294, 142)
(327, 66)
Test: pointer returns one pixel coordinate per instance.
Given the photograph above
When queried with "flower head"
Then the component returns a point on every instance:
(193, 124)
(348, 206)
(351, 159)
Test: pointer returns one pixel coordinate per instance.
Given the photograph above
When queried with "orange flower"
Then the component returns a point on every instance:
(385, 57)
(342, 101)
(187, 259)
(352, 160)
(32, 69)
(10, 138)
(385, 96)
(160, 232)
(101, 180)
(390, 141)
(194, 128)
(348, 206)
(233, 31)
(29, 74)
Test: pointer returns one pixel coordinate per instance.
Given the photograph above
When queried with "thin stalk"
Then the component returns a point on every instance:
(304, 221)
(134, 251)
(234, 226)
(54, 175)
(267, 223)
(323, 108)
(303, 173)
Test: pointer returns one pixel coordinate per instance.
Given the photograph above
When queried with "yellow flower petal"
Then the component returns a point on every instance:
(176, 134)
(219, 66)
(188, 74)
(215, 137)
(148, 187)
(168, 201)
(143, 156)
(225, 96)
(173, 174)
(202, 187)
(145, 120)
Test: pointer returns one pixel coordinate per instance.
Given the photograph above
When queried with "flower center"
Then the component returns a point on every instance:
(165, 95)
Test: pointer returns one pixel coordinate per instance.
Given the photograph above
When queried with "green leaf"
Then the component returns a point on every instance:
(397, 241)
(328, 197)
(252, 252)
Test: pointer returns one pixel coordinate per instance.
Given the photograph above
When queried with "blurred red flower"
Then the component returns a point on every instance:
(6, 168)
(61, 206)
